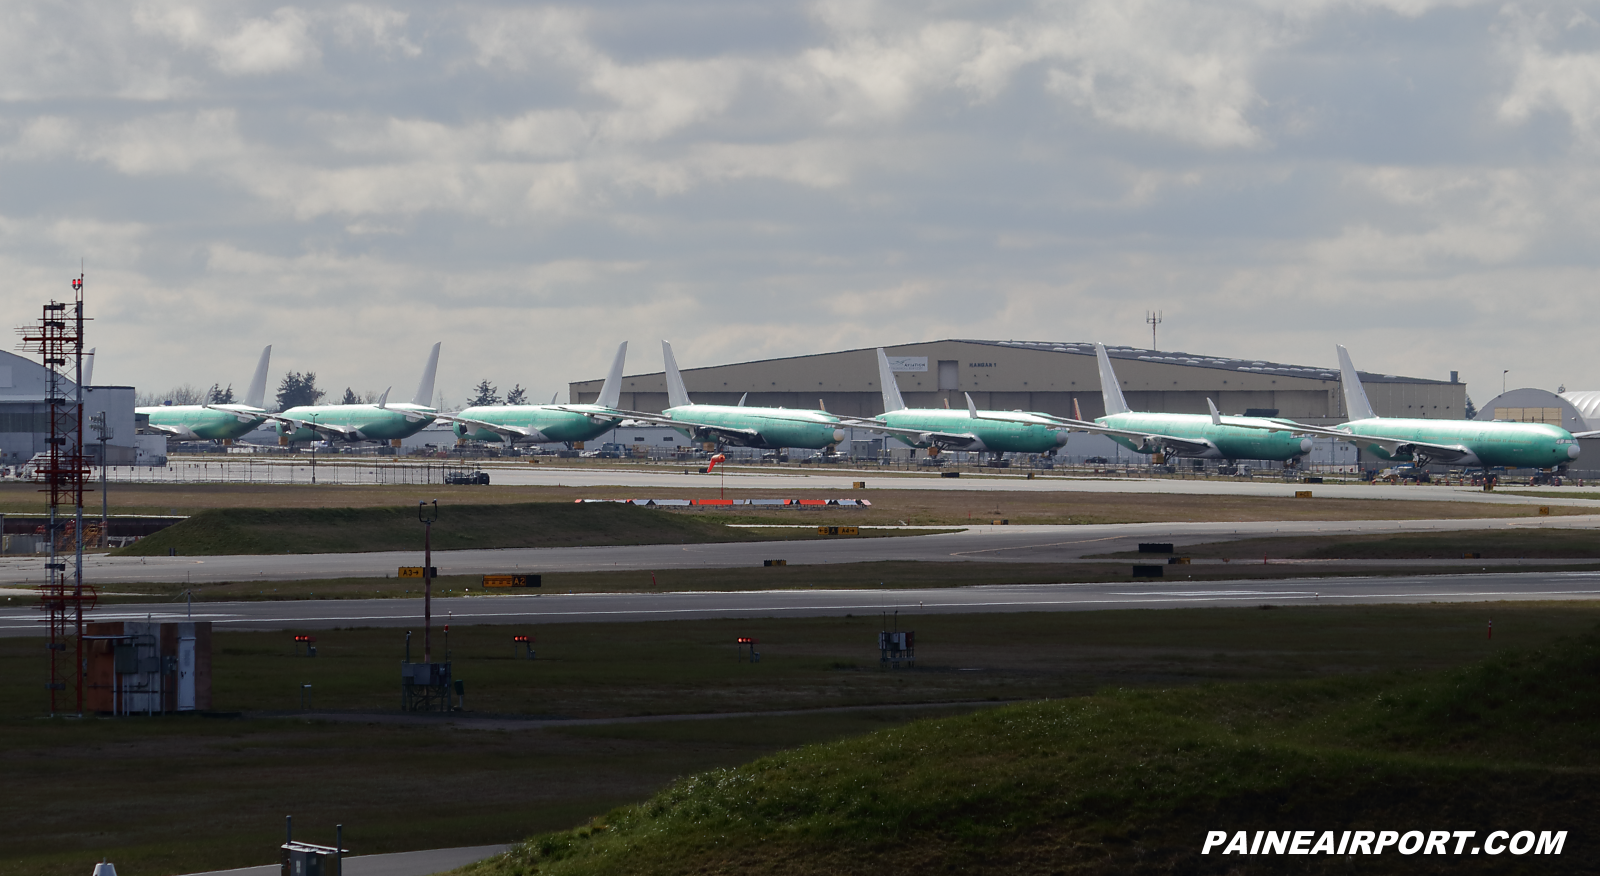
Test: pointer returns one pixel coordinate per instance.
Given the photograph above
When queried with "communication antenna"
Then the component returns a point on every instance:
(1153, 317)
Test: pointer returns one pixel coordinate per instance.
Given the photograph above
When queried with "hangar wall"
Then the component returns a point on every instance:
(1037, 376)
(25, 417)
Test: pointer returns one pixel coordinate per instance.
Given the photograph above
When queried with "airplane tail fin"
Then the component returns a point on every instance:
(88, 368)
(1355, 398)
(1110, 390)
(257, 394)
(424, 398)
(891, 389)
(611, 390)
(677, 393)
(1077, 412)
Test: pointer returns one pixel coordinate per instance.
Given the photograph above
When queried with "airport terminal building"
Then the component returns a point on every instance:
(1040, 376)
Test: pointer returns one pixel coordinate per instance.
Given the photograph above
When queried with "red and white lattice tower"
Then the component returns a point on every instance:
(58, 339)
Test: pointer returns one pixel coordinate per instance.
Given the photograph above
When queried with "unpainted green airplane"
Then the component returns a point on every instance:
(1468, 443)
(214, 422)
(366, 422)
(540, 424)
(766, 428)
(1192, 436)
(971, 430)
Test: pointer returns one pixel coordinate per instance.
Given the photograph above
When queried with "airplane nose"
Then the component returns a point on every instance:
(1061, 438)
(1573, 451)
(1305, 445)
(838, 436)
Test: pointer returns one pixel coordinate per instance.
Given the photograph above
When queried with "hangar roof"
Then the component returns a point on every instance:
(1256, 366)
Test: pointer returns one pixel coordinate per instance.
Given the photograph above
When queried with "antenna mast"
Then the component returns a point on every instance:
(1153, 317)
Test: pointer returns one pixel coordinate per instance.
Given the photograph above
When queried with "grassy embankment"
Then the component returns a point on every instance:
(890, 506)
(1131, 781)
(211, 793)
(1532, 544)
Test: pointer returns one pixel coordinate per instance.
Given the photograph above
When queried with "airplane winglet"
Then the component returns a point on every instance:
(88, 369)
(677, 393)
(820, 405)
(1355, 397)
(742, 398)
(383, 400)
(972, 409)
(1216, 418)
(611, 389)
(1077, 412)
(256, 396)
(555, 395)
(890, 387)
(424, 397)
(1110, 390)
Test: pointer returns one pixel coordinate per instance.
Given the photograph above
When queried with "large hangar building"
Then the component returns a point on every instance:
(1040, 376)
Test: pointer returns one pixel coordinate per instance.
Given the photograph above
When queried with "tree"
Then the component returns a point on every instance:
(218, 396)
(517, 396)
(1472, 409)
(298, 389)
(350, 397)
(486, 395)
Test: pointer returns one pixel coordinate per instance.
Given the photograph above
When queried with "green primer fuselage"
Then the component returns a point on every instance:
(550, 424)
(995, 435)
(1513, 445)
(774, 427)
(372, 422)
(200, 422)
(1227, 442)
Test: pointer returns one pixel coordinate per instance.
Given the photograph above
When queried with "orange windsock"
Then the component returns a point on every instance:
(714, 460)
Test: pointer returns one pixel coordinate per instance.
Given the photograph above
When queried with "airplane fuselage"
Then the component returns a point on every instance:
(203, 423)
(994, 435)
(370, 422)
(1513, 445)
(773, 428)
(1224, 441)
(546, 423)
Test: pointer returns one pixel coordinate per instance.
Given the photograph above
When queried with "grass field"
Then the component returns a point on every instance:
(533, 524)
(1489, 544)
(178, 794)
(1132, 781)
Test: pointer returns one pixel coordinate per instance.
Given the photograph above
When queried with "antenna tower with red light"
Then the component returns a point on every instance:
(58, 339)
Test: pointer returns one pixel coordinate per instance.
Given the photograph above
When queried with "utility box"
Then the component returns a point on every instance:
(896, 647)
(305, 859)
(134, 667)
(425, 687)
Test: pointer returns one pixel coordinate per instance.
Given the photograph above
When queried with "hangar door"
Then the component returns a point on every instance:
(948, 373)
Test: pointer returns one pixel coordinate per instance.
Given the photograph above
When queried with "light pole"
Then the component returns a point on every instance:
(427, 576)
(1503, 380)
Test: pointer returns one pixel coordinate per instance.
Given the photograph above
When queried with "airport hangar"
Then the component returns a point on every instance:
(25, 416)
(1041, 376)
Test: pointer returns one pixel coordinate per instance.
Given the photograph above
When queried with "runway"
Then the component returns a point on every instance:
(530, 610)
(837, 478)
(1021, 544)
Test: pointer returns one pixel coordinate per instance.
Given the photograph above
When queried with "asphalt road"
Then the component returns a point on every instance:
(423, 863)
(1170, 592)
(1023, 544)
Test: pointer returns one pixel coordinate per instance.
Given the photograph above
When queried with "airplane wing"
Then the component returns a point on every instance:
(1586, 434)
(1442, 453)
(174, 431)
(241, 416)
(597, 417)
(329, 429)
(502, 430)
(1146, 440)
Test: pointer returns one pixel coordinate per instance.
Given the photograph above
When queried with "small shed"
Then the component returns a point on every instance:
(145, 667)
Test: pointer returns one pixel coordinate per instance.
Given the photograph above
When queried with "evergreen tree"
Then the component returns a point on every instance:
(517, 396)
(217, 396)
(486, 395)
(298, 389)
(1472, 409)
(350, 397)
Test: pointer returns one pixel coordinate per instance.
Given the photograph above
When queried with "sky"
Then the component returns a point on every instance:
(533, 184)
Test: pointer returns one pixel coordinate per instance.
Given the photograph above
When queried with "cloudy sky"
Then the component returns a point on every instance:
(533, 184)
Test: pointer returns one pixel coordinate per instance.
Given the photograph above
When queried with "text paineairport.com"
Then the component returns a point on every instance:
(1378, 842)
